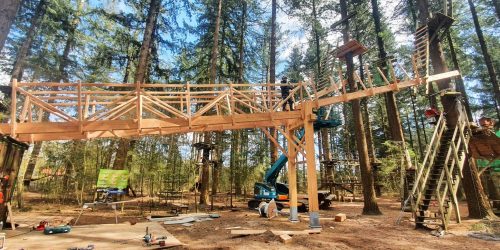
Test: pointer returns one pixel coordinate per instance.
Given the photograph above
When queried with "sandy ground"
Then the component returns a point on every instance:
(358, 231)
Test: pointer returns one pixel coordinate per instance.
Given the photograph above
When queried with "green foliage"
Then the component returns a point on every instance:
(389, 174)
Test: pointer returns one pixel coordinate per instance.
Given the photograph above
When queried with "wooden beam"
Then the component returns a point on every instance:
(442, 76)
(13, 108)
(292, 177)
(364, 93)
(275, 142)
(312, 185)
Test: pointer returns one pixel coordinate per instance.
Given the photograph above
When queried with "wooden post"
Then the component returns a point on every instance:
(188, 103)
(231, 92)
(312, 185)
(139, 105)
(79, 107)
(292, 178)
(11, 216)
(13, 109)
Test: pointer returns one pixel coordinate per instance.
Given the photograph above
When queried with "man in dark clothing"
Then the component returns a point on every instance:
(285, 92)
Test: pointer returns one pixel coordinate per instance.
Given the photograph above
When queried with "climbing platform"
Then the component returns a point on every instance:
(353, 47)
(438, 25)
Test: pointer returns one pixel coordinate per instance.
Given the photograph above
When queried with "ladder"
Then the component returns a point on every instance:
(420, 58)
(437, 180)
(326, 69)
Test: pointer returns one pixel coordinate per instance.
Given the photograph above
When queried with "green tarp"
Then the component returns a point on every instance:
(109, 178)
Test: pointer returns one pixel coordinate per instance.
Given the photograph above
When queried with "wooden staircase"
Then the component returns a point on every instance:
(433, 194)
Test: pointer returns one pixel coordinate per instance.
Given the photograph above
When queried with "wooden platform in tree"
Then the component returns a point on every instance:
(353, 46)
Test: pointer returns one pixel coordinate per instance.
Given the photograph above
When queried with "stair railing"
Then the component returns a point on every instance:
(423, 172)
(454, 163)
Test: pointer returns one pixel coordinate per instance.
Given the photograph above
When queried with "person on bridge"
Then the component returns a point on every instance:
(285, 92)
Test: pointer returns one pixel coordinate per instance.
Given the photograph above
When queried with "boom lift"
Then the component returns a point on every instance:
(270, 188)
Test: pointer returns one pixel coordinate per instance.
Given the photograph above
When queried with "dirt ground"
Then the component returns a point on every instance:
(358, 231)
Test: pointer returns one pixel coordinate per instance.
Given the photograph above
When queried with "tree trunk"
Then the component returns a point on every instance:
(8, 12)
(272, 74)
(215, 47)
(409, 130)
(496, 4)
(315, 27)
(30, 169)
(486, 55)
(391, 106)
(63, 64)
(241, 44)
(205, 180)
(370, 201)
(475, 194)
(417, 127)
(121, 154)
(369, 137)
(460, 87)
(477, 202)
(22, 54)
(366, 117)
(492, 187)
(154, 9)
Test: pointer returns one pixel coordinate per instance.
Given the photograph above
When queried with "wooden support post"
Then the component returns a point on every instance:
(139, 105)
(312, 184)
(13, 109)
(292, 177)
(79, 107)
(86, 108)
(11, 216)
(188, 103)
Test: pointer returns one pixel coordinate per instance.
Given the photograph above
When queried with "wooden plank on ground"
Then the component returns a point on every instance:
(285, 238)
(247, 232)
(303, 232)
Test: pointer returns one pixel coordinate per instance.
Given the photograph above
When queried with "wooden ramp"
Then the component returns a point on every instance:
(105, 236)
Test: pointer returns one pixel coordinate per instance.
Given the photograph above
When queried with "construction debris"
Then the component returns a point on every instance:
(340, 217)
(268, 210)
(247, 232)
(303, 232)
(484, 236)
(285, 238)
(180, 221)
(185, 218)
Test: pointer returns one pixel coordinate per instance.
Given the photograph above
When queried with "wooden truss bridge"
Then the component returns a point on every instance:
(42, 111)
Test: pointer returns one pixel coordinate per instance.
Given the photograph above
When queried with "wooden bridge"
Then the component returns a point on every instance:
(69, 111)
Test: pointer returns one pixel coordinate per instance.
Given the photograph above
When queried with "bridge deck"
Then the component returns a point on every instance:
(65, 111)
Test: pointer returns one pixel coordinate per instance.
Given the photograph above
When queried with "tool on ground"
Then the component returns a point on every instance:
(43, 224)
(57, 230)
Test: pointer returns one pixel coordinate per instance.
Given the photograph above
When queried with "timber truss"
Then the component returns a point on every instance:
(74, 111)
(43, 111)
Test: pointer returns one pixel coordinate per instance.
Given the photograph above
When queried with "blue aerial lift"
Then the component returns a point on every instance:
(271, 189)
